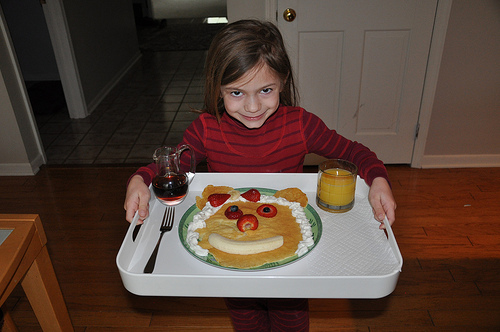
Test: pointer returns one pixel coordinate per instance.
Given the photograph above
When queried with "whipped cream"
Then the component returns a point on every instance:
(208, 210)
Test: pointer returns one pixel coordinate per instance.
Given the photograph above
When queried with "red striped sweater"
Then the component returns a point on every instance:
(280, 145)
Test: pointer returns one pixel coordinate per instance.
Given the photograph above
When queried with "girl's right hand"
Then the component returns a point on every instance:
(137, 199)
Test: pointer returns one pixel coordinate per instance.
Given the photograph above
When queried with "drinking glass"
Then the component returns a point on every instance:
(336, 185)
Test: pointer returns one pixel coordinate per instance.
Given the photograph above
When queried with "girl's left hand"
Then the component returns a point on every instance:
(382, 201)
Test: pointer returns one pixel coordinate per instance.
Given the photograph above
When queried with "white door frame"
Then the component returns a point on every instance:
(55, 17)
(431, 79)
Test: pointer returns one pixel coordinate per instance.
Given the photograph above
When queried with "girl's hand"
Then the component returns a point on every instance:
(382, 201)
(137, 199)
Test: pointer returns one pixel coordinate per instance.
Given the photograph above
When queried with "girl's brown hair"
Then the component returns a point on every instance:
(239, 47)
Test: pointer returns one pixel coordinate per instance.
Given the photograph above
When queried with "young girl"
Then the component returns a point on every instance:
(251, 123)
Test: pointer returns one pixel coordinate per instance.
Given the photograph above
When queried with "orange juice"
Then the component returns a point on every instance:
(337, 187)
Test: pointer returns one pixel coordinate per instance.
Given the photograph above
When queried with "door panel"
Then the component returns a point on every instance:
(361, 65)
(327, 48)
(379, 103)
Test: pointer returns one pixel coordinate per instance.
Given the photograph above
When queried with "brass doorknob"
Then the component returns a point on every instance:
(289, 14)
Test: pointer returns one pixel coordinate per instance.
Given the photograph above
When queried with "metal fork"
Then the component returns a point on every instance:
(166, 226)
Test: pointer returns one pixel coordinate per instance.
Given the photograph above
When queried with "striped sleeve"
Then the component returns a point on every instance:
(329, 144)
(146, 172)
(195, 137)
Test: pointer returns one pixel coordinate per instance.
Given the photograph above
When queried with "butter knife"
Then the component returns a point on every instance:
(137, 226)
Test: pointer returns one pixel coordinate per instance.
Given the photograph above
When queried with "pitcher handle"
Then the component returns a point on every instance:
(192, 169)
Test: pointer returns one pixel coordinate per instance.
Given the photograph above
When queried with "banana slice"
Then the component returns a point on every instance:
(244, 247)
(235, 194)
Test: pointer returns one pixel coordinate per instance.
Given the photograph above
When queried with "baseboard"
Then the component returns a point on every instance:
(113, 83)
(17, 169)
(461, 161)
(22, 169)
(37, 163)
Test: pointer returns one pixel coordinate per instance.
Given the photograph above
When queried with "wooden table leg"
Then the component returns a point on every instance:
(42, 290)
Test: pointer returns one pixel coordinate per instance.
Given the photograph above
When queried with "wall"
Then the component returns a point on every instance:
(13, 145)
(237, 9)
(21, 152)
(31, 39)
(173, 9)
(465, 123)
(104, 41)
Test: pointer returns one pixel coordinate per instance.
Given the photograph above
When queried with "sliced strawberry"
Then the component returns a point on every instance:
(218, 199)
(246, 222)
(252, 195)
(267, 210)
(233, 212)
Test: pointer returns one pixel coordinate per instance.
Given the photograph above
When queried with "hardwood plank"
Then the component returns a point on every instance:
(93, 288)
(111, 318)
(471, 226)
(458, 263)
(157, 329)
(407, 303)
(369, 318)
(491, 288)
(130, 302)
(481, 274)
(313, 328)
(428, 329)
(471, 317)
(191, 320)
(425, 276)
(437, 289)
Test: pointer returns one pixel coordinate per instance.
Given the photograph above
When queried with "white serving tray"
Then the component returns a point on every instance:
(353, 259)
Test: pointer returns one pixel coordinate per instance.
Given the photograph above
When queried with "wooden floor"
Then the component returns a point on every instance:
(447, 227)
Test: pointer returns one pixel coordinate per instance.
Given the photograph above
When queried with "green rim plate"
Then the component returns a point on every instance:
(311, 214)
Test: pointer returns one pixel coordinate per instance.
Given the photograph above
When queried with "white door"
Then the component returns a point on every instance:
(360, 66)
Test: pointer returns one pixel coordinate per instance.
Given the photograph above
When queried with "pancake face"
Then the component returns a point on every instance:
(283, 224)
(290, 223)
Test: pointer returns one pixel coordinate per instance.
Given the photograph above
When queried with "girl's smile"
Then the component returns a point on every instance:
(254, 97)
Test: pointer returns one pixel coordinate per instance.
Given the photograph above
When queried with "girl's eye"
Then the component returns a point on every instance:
(236, 93)
(267, 90)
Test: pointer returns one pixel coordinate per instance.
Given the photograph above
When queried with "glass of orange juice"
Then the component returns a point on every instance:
(336, 185)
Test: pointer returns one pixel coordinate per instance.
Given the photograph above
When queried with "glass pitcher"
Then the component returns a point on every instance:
(170, 183)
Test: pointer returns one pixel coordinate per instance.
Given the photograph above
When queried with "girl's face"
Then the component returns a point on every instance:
(254, 97)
